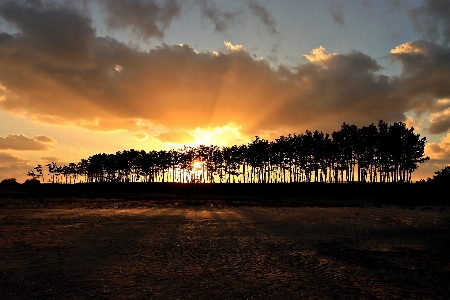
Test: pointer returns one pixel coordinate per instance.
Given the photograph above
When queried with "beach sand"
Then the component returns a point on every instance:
(127, 249)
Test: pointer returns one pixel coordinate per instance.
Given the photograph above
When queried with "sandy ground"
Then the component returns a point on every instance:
(202, 252)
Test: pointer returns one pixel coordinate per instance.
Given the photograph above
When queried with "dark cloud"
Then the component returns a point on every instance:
(425, 68)
(262, 14)
(335, 10)
(341, 87)
(433, 20)
(424, 78)
(221, 19)
(55, 32)
(112, 86)
(440, 122)
(22, 142)
(146, 18)
(181, 89)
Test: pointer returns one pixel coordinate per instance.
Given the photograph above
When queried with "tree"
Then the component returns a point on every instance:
(9, 182)
(441, 176)
(39, 172)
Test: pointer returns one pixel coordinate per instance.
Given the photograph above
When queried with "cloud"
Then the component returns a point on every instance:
(425, 68)
(424, 78)
(225, 19)
(232, 47)
(13, 166)
(263, 15)
(428, 169)
(176, 137)
(57, 33)
(141, 136)
(229, 134)
(53, 159)
(146, 18)
(181, 89)
(8, 159)
(414, 123)
(441, 104)
(433, 20)
(111, 86)
(221, 19)
(318, 55)
(439, 150)
(44, 139)
(440, 122)
(335, 10)
(22, 142)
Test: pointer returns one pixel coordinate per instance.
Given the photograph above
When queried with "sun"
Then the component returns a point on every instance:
(197, 165)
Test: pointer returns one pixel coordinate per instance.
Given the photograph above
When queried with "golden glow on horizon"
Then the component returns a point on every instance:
(227, 135)
(220, 136)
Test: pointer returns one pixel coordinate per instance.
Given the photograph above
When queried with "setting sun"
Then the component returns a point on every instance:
(197, 165)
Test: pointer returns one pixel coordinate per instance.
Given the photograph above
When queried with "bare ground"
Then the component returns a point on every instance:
(83, 249)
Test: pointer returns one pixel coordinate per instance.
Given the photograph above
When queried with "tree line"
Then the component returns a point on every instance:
(375, 153)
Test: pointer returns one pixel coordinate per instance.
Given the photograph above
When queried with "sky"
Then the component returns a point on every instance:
(84, 77)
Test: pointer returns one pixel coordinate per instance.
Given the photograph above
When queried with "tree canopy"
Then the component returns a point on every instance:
(441, 176)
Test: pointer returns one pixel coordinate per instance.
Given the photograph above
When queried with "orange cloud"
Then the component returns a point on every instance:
(439, 150)
(22, 142)
(13, 166)
(53, 159)
(176, 137)
(140, 136)
(318, 55)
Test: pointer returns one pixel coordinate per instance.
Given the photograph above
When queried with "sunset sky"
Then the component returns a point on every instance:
(84, 77)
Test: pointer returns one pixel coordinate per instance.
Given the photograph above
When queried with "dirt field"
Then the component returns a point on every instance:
(79, 251)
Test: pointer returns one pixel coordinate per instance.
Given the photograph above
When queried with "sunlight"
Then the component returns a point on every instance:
(318, 55)
(197, 165)
(234, 47)
(408, 47)
(227, 135)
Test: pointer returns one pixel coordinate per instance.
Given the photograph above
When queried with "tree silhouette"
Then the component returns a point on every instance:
(441, 176)
(374, 153)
